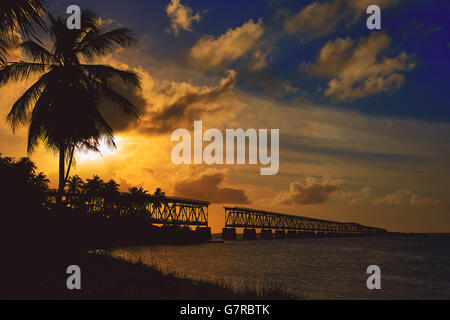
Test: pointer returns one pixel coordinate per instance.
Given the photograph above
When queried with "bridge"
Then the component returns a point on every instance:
(178, 211)
(290, 226)
(167, 211)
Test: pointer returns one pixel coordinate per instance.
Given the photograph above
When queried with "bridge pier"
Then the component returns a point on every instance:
(280, 234)
(292, 234)
(249, 234)
(305, 234)
(204, 233)
(266, 234)
(229, 233)
(319, 234)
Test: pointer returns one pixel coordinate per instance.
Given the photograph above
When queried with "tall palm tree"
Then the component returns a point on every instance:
(65, 99)
(21, 15)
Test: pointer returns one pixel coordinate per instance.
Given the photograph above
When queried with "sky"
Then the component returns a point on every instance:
(363, 114)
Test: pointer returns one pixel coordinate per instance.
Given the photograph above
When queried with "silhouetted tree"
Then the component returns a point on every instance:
(18, 180)
(158, 197)
(138, 199)
(65, 100)
(20, 15)
(41, 182)
(94, 187)
(75, 185)
(111, 189)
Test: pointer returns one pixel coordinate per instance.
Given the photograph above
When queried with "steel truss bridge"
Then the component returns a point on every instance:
(164, 210)
(236, 217)
(178, 211)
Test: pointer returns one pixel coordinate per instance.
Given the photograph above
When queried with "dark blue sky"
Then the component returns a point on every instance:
(421, 28)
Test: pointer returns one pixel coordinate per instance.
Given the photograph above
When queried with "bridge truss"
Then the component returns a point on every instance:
(236, 217)
(165, 210)
(179, 211)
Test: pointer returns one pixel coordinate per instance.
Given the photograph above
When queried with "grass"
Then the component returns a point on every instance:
(103, 277)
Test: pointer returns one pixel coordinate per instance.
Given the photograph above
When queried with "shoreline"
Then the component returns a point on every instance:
(106, 277)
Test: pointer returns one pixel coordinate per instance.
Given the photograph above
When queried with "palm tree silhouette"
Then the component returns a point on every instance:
(138, 199)
(75, 185)
(111, 189)
(158, 197)
(65, 99)
(94, 187)
(18, 14)
(41, 182)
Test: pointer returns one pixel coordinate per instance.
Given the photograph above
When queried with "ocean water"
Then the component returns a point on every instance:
(325, 268)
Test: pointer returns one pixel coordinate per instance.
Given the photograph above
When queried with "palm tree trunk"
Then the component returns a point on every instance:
(69, 165)
(61, 176)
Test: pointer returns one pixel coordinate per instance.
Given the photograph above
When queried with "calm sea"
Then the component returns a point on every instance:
(334, 268)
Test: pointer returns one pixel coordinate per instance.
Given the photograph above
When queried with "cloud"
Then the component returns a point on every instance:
(314, 20)
(360, 69)
(165, 105)
(310, 191)
(211, 53)
(405, 196)
(321, 18)
(181, 17)
(208, 187)
(357, 196)
(417, 201)
(193, 104)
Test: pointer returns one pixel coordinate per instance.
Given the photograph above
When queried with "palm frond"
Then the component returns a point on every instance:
(20, 71)
(23, 14)
(95, 45)
(38, 52)
(103, 91)
(105, 73)
(5, 45)
(38, 128)
(18, 113)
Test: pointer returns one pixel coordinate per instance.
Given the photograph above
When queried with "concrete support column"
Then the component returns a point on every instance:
(266, 234)
(280, 234)
(229, 233)
(292, 234)
(249, 234)
(204, 233)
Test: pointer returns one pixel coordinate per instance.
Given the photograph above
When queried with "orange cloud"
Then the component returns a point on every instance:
(405, 196)
(311, 191)
(357, 196)
(208, 187)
